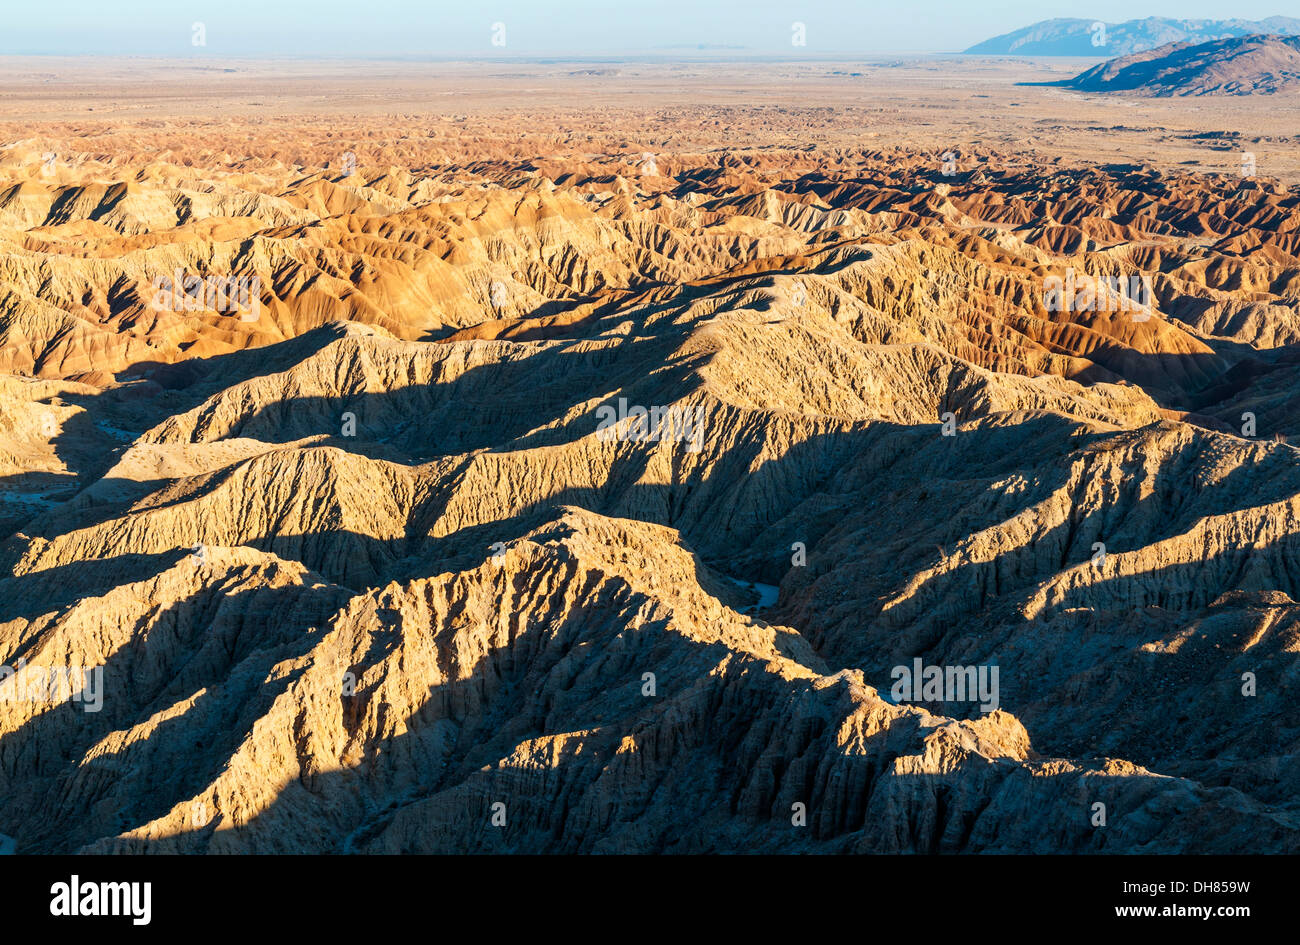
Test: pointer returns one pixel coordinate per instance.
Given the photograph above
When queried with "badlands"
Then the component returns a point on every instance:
(359, 569)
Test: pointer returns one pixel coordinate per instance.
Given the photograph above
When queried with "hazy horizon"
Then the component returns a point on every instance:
(576, 29)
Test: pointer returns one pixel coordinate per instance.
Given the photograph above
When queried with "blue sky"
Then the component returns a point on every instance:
(591, 28)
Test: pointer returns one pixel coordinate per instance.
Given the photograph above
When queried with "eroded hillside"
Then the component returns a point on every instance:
(377, 558)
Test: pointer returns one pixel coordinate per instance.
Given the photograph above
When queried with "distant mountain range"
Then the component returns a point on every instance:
(1253, 64)
(1074, 37)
